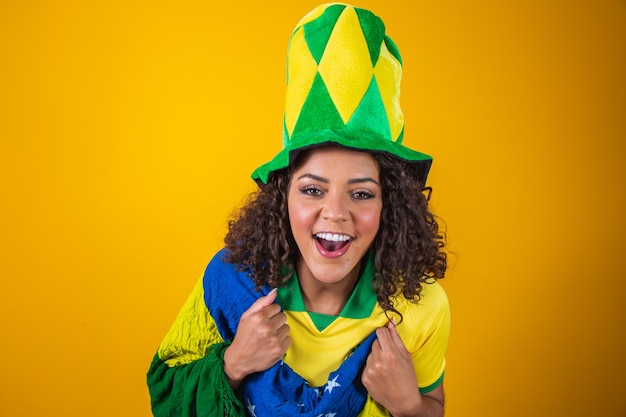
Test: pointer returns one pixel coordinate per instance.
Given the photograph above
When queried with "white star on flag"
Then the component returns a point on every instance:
(251, 408)
(332, 384)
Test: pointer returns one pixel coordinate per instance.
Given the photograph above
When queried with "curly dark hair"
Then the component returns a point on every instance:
(408, 248)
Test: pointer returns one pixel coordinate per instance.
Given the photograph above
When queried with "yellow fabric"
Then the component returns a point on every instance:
(424, 331)
(191, 334)
(388, 73)
(346, 51)
(301, 73)
(314, 354)
(373, 409)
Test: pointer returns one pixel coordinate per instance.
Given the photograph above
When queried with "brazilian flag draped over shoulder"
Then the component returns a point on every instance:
(186, 378)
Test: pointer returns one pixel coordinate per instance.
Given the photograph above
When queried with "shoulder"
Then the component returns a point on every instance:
(228, 292)
(222, 278)
(428, 315)
(219, 269)
(218, 261)
(433, 297)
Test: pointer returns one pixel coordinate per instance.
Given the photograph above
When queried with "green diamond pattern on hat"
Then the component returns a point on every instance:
(301, 73)
(371, 104)
(373, 30)
(320, 29)
(318, 109)
(343, 87)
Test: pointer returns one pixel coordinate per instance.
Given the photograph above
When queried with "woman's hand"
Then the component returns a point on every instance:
(262, 338)
(389, 377)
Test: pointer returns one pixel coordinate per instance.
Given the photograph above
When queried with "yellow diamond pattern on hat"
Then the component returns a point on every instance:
(346, 66)
(301, 72)
(388, 73)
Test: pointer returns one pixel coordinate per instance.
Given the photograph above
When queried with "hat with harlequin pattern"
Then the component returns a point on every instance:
(343, 87)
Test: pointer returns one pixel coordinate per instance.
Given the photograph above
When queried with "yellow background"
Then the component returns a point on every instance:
(129, 129)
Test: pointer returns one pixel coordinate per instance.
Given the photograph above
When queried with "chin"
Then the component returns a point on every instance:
(332, 273)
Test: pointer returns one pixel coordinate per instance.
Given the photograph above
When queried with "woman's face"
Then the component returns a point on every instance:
(335, 203)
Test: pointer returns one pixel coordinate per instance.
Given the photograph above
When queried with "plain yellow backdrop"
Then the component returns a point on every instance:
(128, 130)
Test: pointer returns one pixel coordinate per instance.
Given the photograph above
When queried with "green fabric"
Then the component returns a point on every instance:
(371, 104)
(363, 298)
(362, 140)
(197, 389)
(393, 48)
(318, 31)
(318, 109)
(374, 31)
(359, 306)
(432, 386)
(321, 321)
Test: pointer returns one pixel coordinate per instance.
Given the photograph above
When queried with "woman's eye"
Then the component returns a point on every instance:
(363, 195)
(310, 190)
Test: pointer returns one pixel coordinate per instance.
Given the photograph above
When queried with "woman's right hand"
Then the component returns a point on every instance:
(261, 340)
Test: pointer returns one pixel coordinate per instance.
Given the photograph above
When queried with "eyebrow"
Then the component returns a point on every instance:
(350, 181)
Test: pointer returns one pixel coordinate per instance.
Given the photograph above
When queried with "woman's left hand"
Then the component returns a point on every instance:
(389, 376)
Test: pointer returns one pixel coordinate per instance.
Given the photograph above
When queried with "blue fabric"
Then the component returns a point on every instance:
(280, 390)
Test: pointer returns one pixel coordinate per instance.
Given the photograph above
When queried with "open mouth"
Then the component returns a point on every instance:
(332, 242)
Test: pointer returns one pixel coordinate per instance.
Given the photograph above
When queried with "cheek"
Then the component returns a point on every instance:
(369, 221)
(299, 219)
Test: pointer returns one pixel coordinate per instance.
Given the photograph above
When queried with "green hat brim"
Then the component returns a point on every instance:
(349, 138)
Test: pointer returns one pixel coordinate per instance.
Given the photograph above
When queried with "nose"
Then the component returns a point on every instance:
(335, 208)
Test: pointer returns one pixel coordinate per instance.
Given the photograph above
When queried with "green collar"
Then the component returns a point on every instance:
(359, 305)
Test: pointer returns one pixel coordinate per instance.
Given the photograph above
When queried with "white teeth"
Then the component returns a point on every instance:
(333, 237)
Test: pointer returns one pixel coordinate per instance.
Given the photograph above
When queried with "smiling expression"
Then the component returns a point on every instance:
(335, 203)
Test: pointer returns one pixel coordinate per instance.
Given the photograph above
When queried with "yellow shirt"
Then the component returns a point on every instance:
(321, 343)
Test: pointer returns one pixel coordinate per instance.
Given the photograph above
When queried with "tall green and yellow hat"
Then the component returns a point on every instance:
(343, 87)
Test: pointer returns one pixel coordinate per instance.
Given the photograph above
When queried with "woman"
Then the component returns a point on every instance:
(325, 300)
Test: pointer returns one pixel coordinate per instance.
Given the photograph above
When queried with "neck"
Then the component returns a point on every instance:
(325, 298)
